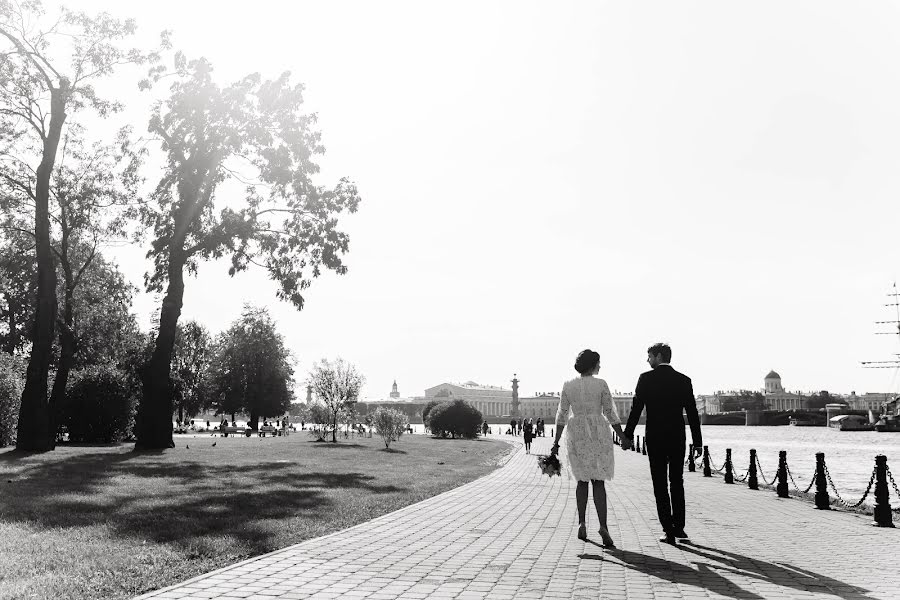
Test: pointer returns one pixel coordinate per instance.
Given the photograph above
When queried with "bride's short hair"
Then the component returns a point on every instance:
(586, 361)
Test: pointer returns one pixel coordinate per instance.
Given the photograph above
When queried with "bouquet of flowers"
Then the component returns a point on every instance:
(549, 465)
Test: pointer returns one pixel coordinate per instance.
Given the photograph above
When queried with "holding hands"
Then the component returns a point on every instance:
(627, 442)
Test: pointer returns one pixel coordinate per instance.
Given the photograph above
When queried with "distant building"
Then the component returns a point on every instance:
(777, 398)
(708, 404)
(491, 400)
(394, 393)
(868, 401)
(545, 404)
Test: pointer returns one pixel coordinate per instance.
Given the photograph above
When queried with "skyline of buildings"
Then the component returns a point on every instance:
(497, 401)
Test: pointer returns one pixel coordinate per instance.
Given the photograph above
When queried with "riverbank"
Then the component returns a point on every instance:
(106, 522)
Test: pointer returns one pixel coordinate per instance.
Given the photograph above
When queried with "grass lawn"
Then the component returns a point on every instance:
(107, 522)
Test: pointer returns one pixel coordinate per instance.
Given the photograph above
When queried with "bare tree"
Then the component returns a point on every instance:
(336, 385)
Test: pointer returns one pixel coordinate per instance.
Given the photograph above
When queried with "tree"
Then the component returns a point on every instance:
(456, 418)
(818, 401)
(12, 370)
(336, 385)
(250, 370)
(743, 400)
(189, 367)
(250, 133)
(429, 407)
(389, 424)
(36, 97)
(18, 284)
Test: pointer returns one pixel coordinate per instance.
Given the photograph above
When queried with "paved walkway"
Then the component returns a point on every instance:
(512, 534)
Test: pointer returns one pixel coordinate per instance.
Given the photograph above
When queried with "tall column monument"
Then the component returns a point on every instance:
(515, 396)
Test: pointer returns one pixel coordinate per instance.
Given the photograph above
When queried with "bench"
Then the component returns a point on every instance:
(264, 429)
(233, 430)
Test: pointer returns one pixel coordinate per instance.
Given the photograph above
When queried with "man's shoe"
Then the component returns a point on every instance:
(680, 534)
(668, 538)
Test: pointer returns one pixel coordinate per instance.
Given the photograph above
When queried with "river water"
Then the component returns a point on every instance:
(849, 455)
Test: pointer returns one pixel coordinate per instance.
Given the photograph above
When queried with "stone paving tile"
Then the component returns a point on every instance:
(512, 534)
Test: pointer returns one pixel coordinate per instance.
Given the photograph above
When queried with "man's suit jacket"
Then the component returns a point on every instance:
(667, 394)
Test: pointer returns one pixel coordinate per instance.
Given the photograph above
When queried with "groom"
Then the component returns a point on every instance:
(667, 394)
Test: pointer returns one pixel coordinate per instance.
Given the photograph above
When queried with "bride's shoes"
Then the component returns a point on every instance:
(607, 539)
(582, 532)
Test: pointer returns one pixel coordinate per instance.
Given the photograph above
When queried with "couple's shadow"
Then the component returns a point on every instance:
(712, 563)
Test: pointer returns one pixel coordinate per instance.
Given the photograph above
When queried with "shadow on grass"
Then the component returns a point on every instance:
(392, 451)
(711, 572)
(158, 497)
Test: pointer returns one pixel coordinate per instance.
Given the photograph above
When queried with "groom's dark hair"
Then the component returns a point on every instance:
(661, 348)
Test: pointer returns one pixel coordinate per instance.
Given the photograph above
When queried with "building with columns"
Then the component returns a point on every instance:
(776, 397)
(491, 400)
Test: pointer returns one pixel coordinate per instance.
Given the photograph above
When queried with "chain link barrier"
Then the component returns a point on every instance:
(896, 489)
(796, 487)
(812, 482)
(762, 476)
(838, 496)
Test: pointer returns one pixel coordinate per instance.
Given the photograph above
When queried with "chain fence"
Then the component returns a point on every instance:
(762, 475)
(829, 481)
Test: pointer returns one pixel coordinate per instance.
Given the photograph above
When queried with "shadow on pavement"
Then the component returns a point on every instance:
(715, 565)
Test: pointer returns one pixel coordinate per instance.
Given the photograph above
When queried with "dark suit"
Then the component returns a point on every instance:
(667, 394)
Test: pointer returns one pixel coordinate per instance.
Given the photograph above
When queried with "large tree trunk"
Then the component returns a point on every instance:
(33, 432)
(154, 420)
(66, 345)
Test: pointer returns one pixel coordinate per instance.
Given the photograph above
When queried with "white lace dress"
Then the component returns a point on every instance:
(586, 409)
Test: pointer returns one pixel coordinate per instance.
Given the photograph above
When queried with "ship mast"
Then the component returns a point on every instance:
(888, 364)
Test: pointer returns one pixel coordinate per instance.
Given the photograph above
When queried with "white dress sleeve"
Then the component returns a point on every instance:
(607, 405)
(562, 413)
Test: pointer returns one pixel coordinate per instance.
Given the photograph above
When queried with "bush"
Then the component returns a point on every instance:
(457, 418)
(390, 424)
(426, 412)
(11, 384)
(320, 421)
(99, 406)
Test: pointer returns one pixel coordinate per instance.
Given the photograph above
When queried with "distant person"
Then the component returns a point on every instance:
(528, 431)
(667, 395)
(588, 449)
(512, 426)
(484, 428)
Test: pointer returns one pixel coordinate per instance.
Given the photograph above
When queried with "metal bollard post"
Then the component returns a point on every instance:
(782, 487)
(752, 483)
(707, 472)
(822, 502)
(882, 504)
(729, 468)
(691, 466)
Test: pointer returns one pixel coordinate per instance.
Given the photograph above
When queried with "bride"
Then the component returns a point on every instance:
(588, 447)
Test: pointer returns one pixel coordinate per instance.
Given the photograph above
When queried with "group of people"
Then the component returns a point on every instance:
(586, 412)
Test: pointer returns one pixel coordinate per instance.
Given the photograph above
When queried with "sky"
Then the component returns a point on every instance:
(538, 178)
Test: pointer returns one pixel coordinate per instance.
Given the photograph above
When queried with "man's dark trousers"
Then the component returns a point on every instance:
(667, 467)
